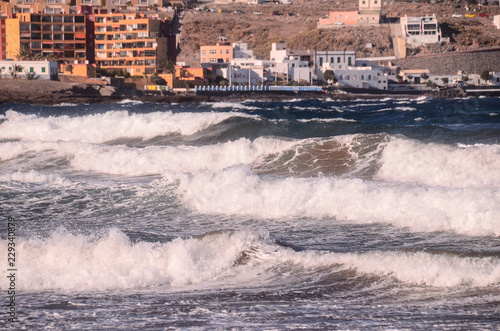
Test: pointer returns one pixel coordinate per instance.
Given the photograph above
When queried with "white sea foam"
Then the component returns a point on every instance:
(232, 105)
(124, 160)
(418, 268)
(69, 262)
(108, 126)
(327, 120)
(433, 164)
(79, 263)
(35, 177)
(406, 108)
(238, 191)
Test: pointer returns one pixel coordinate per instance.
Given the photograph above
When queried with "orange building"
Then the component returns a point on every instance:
(36, 7)
(3, 36)
(132, 43)
(221, 52)
(340, 18)
(66, 36)
(188, 76)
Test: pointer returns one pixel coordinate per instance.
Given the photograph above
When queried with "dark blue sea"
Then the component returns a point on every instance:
(300, 214)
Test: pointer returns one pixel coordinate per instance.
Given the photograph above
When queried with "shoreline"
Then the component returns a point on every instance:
(51, 93)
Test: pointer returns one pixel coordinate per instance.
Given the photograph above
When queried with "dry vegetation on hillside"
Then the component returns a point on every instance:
(299, 30)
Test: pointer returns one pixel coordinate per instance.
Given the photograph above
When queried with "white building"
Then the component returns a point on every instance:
(352, 72)
(41, 69)
(496, 21)
(291, 65)
(421, 30)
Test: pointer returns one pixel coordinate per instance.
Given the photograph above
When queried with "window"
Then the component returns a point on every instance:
(332, 60)
(43, 69)
(213, 60)
(213, 52)
(338, 59)
(227, 51)
(32, 69)
(203, 53)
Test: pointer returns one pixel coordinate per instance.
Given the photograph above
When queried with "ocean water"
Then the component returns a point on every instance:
(301, 214)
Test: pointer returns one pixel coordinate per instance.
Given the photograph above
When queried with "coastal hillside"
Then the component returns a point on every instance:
(298, 27)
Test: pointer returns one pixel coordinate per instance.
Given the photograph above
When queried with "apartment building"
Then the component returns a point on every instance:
(36, 7)
(68, 37)
(221, 52)
(3, 41)
(421, 30)
(139, 5)
(132, 42)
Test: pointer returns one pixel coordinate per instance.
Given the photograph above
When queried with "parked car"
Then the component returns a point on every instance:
(277, 13)
(257, 13)
(239, 12)
(483, 15)
(456, 15)
(290, 14)
(470, 15)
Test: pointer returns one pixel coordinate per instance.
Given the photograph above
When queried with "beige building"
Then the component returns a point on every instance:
(421, 30)
(368, 13)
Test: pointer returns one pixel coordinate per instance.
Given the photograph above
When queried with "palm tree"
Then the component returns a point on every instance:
(166, 66)
(30, 75)
(15, 69)
(24, 53)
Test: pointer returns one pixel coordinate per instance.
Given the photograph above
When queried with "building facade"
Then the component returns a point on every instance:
(351, 72)
(496, 21)
(221, 52)
(132, 43)
(66, 37)
(3, 41)
(368, 13)
(421, 30)
(36, 7)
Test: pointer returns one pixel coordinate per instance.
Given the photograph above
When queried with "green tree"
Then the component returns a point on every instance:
(485, 75)
(445, 80)
(329, 75)
(15, 69)
(424, 76)
(157, 80)
(166, 66)
(30, 75)
(69, 68)
(24, 53)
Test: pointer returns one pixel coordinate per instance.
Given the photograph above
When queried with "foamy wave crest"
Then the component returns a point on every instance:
(232, 105)
(98, 128)
(414, 268)
(77, 263)
(35, 177)
(239, 191)
(410, 161)
(124, 160)
(121, 160)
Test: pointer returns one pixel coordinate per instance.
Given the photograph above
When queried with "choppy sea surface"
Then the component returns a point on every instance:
(301, 214)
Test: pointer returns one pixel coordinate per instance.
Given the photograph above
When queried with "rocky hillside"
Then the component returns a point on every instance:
(299, 28)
